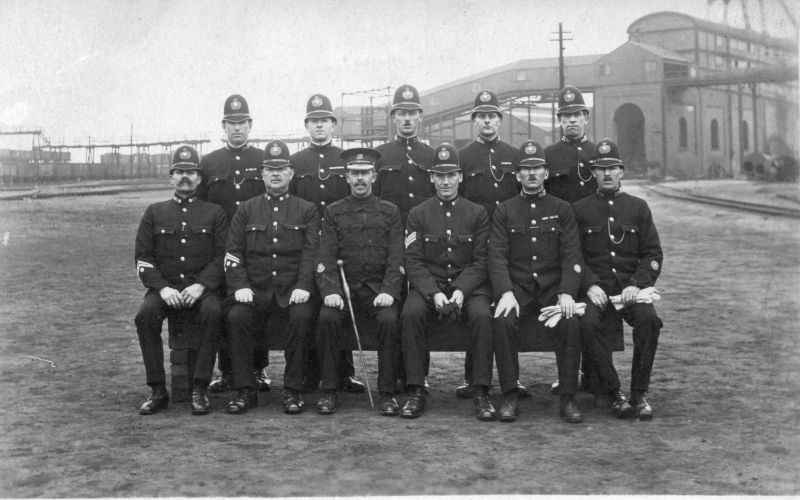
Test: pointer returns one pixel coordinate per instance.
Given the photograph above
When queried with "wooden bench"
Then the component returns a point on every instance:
(533, 337)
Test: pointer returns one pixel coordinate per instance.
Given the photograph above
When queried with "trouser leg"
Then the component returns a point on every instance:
(243, 322)
(598, 345)
(329, 341)
(149, 321)
(388, 329)
(413, 321)
(479, 321)
(646, 330)
(506, 350)
(568, 351)
(300, 322)
(209, 323)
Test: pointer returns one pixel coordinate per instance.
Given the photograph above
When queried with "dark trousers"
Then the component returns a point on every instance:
(149, 321)
(245, 325)
(417, 312)
(646, 329)
(566, 336)
(330, 339)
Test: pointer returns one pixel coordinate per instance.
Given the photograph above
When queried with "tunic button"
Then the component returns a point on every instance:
(533, 240)
(183, 223)
(613, 270)
(410, 162)
(274, 256)
(182, 276)
(238, 202)
(274, 273)
(491, 150)
(582, 183)
(496, 202)
(580, 163)
(238, 187)
(533, 205)
(410, 195)
(274, 209)
(274, 240)
(449, 232)
(163, 231)
(449, 279)
(322, 186)
(322, 203)
(274, 223)
(448, 214)
(533, 222)
(410, 179)
(449, 249)
(535, 258)
(183, 240)
(610, 202)
(449, 265)
(495, 184)
(579, 148)
(183, 259)
(184, 209)
(613, 254)
(611, 219)
(321, 155)
(408, 148)
(237, 172)
(535, 275)
(238, 158)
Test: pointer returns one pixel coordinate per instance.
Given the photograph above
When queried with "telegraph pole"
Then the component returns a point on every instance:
(560, 41)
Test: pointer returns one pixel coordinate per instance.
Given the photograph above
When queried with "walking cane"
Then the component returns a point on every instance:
(355, 329)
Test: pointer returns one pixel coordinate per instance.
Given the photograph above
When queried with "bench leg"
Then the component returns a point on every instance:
(182, 363)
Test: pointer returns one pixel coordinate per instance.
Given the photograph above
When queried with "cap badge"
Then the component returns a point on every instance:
(444, 154)
(408, 94)
(604, 148)
(485, 97)
(654, 265)
(184, 154)
(316, 101)
(236, 104)
(275, 150)
(569, 96)
(530, 149)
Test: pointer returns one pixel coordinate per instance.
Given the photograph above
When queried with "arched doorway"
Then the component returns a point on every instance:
(629, 131)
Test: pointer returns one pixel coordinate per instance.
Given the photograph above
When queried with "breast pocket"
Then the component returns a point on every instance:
(216, 187)
(592, 240)
(392, 185)
(292, 235)
(476, 187)
(164, 235)
(433, 247)
(549, 236)
(629, 240)
(465, 244)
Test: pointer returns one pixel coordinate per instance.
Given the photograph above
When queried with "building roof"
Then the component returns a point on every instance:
(659, 51)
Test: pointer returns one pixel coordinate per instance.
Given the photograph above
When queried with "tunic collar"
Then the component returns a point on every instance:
(406, 141)
(574, 142)
(321, 148)
(243, 147)
(607, 196)
(533, 196)
(447, 203)
(494, 141)
(179, 200)
(283, 197)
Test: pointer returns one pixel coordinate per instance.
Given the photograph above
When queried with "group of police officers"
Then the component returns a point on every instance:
(404, 234)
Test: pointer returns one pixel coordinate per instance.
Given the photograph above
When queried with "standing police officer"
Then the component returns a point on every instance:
(320, 178)
(365, 233)
(269, 268)
(488, 165)
(623, 255)
(446, 245)
(403, 176)
(179, 250)
(232, 175)
(534, 262)
(570, 172)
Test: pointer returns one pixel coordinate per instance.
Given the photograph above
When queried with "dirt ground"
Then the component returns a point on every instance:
(725, 388)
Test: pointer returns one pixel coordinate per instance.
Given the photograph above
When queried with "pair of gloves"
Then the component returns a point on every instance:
(551, 315)
(450, 313)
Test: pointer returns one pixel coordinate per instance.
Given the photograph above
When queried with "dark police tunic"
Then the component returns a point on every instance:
(271, 247)
(403, 176)
(180, 242)
(488, 168)
(319, 175)
(367, 236)
(535, 253)
(621, 248)
(231, 176)
(571, 176)
(446, 246)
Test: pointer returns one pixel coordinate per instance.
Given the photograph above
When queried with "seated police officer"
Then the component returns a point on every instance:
(623, 255)
(446, 264)
(535, 261)
(365, 234)
(269, 268)
(179, 250)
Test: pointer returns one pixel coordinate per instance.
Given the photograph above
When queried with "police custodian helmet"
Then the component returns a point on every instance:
(185, 158)
(570, 100)
(486, 102)
(276, 155)
(236, 109)
(606, 154)
(406, 97)
(531, 154)
(445, 159)
(319, 106)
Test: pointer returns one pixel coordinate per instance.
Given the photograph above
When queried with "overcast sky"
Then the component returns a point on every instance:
(99, 67)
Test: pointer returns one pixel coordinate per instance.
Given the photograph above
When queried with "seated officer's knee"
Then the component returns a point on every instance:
(645, 317)
(150, 314)
(209, 306)
(329, 316)
(238, 315)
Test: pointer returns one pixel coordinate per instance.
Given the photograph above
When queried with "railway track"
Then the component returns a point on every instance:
(723, 202)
